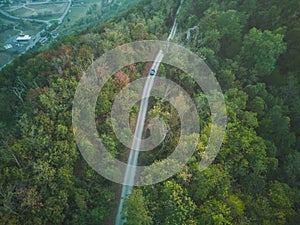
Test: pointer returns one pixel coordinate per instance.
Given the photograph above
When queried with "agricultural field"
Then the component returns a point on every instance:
(7, 34)
(46, 11)
(74, 15)
(23, 12)
(30, 28)
(10, 29)
(5, 57)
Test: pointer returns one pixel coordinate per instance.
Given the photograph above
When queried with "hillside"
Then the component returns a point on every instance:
(252, 48)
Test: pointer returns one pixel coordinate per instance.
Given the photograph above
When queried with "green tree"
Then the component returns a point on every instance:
(212, 182)
(138, 32)
(261, 50)
(135, 210)
(214, 212)
(171, 204)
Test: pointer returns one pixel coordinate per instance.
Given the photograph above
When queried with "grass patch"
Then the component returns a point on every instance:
(49, 8)
(6, 35)
(4, 19)
(30, 28)
(23, 12)
(76, 13)
(5, 57)
(46, 11)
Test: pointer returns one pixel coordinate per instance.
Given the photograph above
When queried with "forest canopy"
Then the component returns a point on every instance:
(252, 47)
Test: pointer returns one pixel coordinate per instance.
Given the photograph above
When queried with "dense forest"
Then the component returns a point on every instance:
(252, 47)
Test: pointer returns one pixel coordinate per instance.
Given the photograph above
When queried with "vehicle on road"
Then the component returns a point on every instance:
(152, 72)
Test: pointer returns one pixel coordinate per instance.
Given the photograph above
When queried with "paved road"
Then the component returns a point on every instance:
(136, 143)
(60, 19)
(46, 2)
(35, 40)
(134, 154)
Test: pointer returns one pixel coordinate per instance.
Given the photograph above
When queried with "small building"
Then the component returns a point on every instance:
(54, 34)
(43, 40)
(23, 38)
(8, 46)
